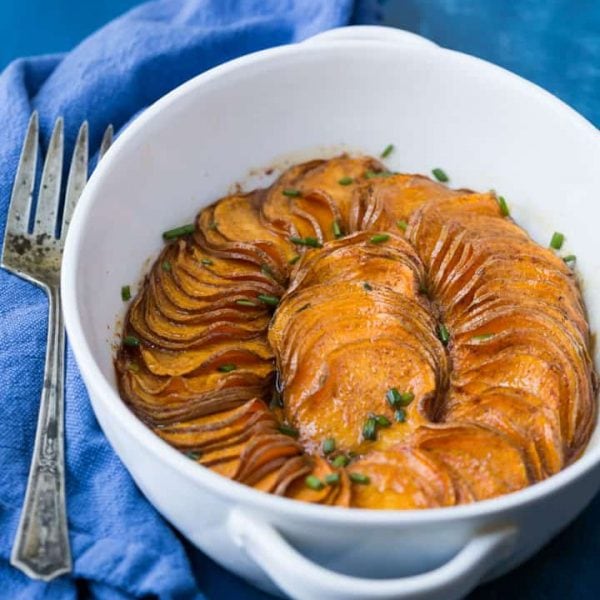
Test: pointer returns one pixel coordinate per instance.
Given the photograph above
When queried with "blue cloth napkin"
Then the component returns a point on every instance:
(121, 546)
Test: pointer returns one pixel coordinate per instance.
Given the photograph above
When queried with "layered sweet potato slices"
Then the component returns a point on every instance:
(356, 337)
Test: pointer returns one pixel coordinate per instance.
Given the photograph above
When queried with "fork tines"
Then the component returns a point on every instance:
(45, 230)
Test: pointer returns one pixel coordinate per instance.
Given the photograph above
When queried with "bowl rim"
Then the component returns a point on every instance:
(103, 391)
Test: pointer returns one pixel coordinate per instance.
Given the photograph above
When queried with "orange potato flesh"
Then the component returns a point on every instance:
(347, 313)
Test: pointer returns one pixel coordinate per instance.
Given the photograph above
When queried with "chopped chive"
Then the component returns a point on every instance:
(125, 293)
(243, 302)
(332, 479)
(328, 446)
(557, 240)
(289, 430)
(227, 368)
(571, 258)
(314, 483)
(193, 455)
(340, 461)
(294, 259)
(207, 261)
(267, 299)
(166, 266)
(345, 180)
(387, 151)
(359, 478)
(382, 421)
(402, 225)
(503, 205)
(396, 398)
(374, 174)
(266, 270)
(400, 415)
(369, 430)
(368, 286)
(440, 175)
(303, 308)
(134, 367)
(482, 337)
(379, 238)
(213, 225)
(131, 340)
(291, 192)
(178, 232)
(393, 397)
(443, 334)
(337, 230)
(307, 241)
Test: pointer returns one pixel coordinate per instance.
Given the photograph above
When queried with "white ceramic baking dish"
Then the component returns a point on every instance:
(356, 89)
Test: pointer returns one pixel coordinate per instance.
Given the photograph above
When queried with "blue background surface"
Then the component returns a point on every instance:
(555, 43)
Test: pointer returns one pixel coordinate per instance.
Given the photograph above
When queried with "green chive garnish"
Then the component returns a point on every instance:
(227, 368)
(307, 241)
(289, 430)
(368, 286)
(382, 421)
(291, 192)
(345, 180)
(402, 225)
(440, 175)
(332, 479)
(243, 302)
(443, 334)
(379, 238)
(557, 240)
(207, 261)
(482, 337)
(328, 446)
(359, 478)
(337, 231)
(132, 366)
(340, 461)
(400, 415)
(267, 299)
(393, 397)
(396, 398)
(369, 430)
(166, 266)
(178, 232)
(503, 205)
(294, 259)
(314, 483)
(571, 258)
(266, 270)
(131, 340)
(193, 455)
(388, 150)
(374, 174)
(125, 293)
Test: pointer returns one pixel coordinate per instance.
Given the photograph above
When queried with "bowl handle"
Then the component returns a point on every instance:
(303, 579)
(372, 32)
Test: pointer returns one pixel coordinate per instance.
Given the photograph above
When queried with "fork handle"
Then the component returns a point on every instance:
(41, 548)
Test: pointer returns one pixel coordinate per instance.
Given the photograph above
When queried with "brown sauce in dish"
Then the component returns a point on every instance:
(355, 337)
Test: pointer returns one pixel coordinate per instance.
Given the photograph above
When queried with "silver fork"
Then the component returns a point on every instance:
(41, 547)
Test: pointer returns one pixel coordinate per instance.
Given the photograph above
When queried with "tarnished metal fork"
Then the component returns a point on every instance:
(41, 547)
